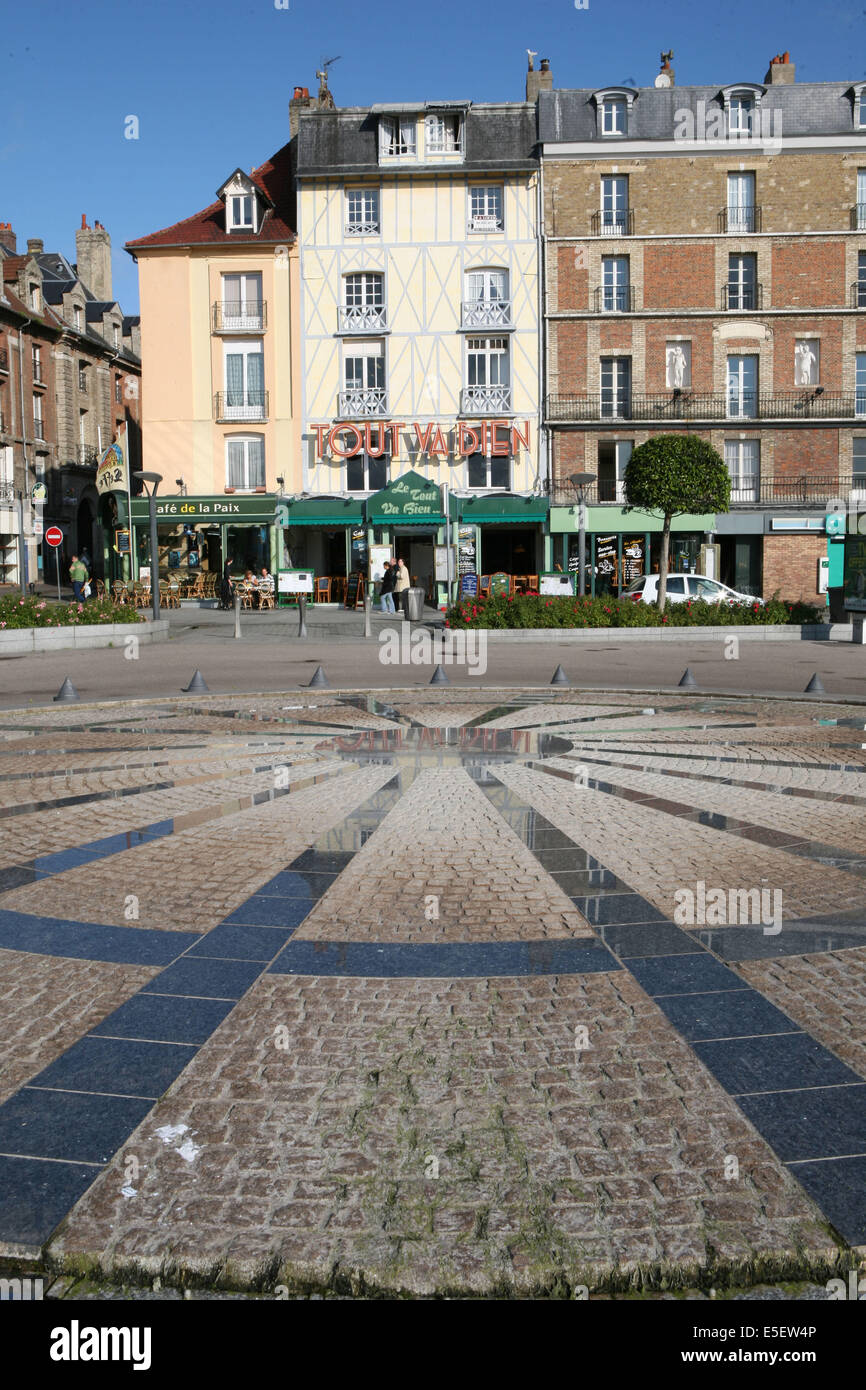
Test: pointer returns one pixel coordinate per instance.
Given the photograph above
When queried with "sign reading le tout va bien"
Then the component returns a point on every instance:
(498, 438)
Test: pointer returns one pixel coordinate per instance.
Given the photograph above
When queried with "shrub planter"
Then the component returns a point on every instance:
(17, 641)
(779, 632)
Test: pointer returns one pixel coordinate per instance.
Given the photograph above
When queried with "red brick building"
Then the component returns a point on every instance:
(705, 270)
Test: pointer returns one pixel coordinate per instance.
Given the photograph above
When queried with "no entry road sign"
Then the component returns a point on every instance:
(53, 535)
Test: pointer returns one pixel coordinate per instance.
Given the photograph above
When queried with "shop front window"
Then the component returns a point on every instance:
(248, 548)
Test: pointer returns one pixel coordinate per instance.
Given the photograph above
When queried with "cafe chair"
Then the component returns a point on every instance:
(322, 591)
(266, 596)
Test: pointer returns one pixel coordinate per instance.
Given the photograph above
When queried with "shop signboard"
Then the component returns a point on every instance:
(556, 583)
(468, 585)
(605, 559)
(360, 549)
(466, 550)
(379, 555)
(854, 574)
(354, 590)
(440, 562)
(499, 584)
(632, 558)
(111, 472)
(295, 581)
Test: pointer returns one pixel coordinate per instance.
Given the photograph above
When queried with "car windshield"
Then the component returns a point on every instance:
(636, 585)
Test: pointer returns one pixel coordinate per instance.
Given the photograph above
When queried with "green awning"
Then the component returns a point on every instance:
(504, 509)
(326, 511)
(410, 500)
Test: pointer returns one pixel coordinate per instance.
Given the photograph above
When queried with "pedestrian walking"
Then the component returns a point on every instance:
(386, 592)
(78, 578)
(401, 586)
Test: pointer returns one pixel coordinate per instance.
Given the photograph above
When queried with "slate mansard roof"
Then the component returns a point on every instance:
(345, 144)
(804, 109)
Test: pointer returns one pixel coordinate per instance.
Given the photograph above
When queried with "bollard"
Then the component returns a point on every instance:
(302, 615)
(237, 615)
(368, 608)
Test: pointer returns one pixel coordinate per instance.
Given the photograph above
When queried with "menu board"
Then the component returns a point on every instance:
(468, 585)
(378, 555)
(499, 583)
(360, 549)
(295, 582)
(465, 550)
(632, 558)
(605, 558)
(354, 590)
(556, 583)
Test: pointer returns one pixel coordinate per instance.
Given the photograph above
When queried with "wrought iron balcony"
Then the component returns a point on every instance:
(362, 401)
(361, 318)
(88, 454)
(747, 219)
(251, 406)
(858, 294)
(7, 492)
(485, 313)
(809, 404)
(858, 217)
(748, 297)
(4, 360)
(485, 400)
(240, 316)
(614, 299)
(805, 490)
(613, 222)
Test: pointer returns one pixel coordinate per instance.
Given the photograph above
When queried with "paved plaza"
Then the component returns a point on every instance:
(434, 991)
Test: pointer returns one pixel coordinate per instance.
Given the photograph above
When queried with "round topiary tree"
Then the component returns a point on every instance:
(673, 475)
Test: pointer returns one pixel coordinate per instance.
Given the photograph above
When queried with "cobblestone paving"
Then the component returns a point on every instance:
(403, 1008)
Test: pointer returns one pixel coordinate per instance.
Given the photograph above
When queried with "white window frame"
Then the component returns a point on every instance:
(858, 475)
(245, 440)
(743, 462)
(490, 461)
(737, 375)
(244, 348)
(367, 461)
(37, 362)
(619, 389)
(622, 452)
(77, 312)
(614, 219)
(369, 224)
(615, 284)
(398, 137)
(614, 116)
(742, 276)
(740, 209)
(35, 297)
(363, 301)
(237, 222)
(38, 417)
(371, 388)
(860, 383)
(249, 301)
(860, 214)
(443, 133)
(491, 219)
(741, 104)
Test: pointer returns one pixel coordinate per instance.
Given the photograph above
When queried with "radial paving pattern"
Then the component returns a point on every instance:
(435, 994)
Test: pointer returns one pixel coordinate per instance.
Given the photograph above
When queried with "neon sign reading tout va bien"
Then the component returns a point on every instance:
(498, 438)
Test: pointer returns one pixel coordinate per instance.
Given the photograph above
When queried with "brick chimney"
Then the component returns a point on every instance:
(301, 101)
(93, 249)
(540, 81)
(781, 70)
(35, 246)
(8, 238)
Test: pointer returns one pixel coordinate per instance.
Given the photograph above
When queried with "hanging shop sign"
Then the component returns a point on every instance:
(111, 474)
(495, 438)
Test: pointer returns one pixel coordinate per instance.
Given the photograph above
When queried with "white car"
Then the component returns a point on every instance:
(682, 587)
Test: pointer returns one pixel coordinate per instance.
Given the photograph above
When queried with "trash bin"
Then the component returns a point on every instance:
(415, 605)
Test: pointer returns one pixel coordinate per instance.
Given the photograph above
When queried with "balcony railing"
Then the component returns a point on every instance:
(486, 313)
(485, 400)
(88, 454)
(7, 491)
(706, 405)
(361, 318)
(369, 228)
(240, 316)
(614, 299)
(747, 219)
(251, 407)
(806, 490)
(613, 222)
(4, 360)
(750, 297)
(362, 401)
(858, 294)
(858, 217)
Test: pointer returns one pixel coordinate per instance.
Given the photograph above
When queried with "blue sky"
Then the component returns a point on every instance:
(210, 83)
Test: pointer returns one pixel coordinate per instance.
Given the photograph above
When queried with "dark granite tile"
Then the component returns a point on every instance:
(322, 861)
(271, 912)
(288, 884)
(165, 1018)
(50, 936)
(617, 907)
(793, 1061)
(683, 974)
(67, 1124)
(117, 1066)
(731, 1014)
(646, 939)
(750, 943)
(236, 942)
(826, 1123)
(387, 961)
(35, 1195)
(205, 978)
(839, 1188)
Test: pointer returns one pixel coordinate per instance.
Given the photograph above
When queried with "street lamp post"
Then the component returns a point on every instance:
(581, 481)
(154, 479)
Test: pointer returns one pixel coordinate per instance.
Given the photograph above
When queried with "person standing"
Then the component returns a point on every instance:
(386, 593)
(401, 586)
(78, 578)
(226, 585)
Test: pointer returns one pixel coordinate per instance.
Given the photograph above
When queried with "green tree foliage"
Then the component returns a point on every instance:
(676, 475)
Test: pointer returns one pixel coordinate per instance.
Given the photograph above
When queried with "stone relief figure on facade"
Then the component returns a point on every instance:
(677, 367)
(805, 364)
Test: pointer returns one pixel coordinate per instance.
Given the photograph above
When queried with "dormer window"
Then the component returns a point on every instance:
(34, 296)
(397, 136)
(241, 212)
(78, 317)
(613, 108)
(859, 94)
(742, 109)
(613, 116)
(442, 134)
(741, 116)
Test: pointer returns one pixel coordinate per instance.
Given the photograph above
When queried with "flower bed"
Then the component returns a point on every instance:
(38, 612)
(537, 611)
